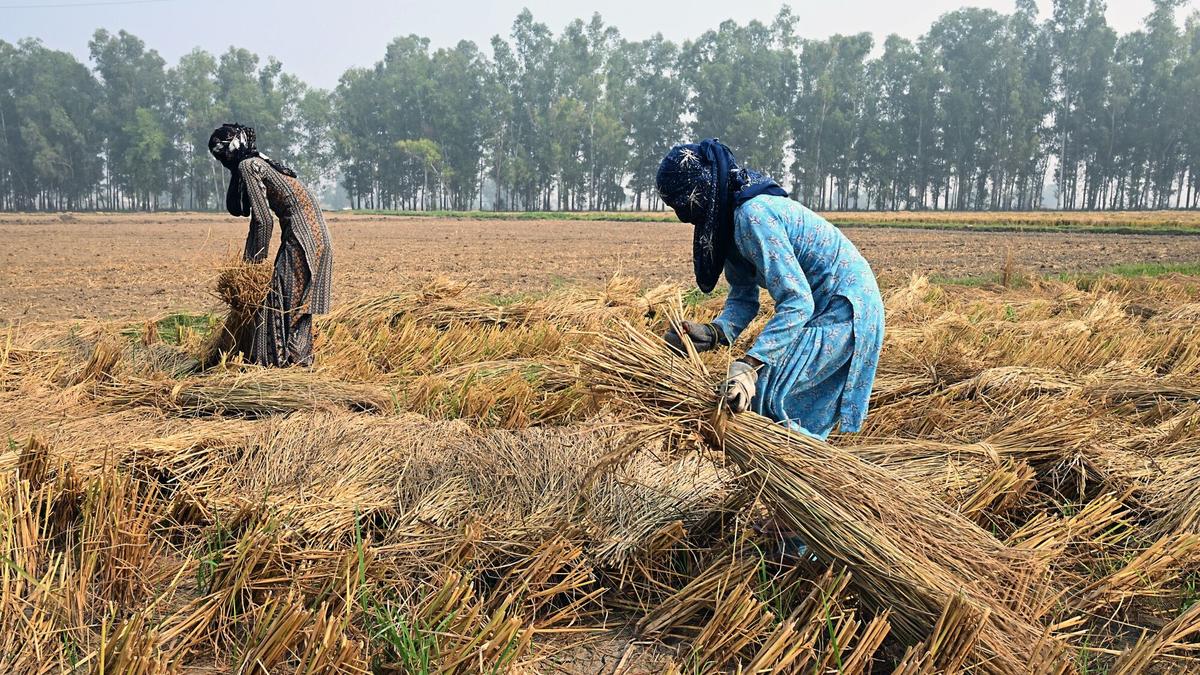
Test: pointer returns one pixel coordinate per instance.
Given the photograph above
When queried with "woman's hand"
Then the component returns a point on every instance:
(704, 337)
(740, 384)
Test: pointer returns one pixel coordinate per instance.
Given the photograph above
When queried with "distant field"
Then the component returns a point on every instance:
(120, 265)
(1116, 222)
(1047, 221)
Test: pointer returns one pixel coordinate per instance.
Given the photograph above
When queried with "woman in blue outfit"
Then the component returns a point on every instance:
(813, 366)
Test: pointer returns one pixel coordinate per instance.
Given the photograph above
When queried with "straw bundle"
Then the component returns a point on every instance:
(242, 286)
(257, 392)
(71, 551)
(907, 550)
(323, 471)
(949, 647)
(626, 508)
(961, 474)
(1186, 313)
(1144, 391)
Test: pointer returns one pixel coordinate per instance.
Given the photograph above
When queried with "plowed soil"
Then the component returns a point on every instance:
(120, 266)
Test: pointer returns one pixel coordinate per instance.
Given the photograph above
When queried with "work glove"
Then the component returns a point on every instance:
(739, 386)
(704, 337)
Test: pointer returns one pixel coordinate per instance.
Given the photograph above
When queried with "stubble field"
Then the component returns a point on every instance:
(515, 476)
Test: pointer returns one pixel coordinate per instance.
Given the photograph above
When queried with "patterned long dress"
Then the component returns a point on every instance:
(300, 284)
(821, 349)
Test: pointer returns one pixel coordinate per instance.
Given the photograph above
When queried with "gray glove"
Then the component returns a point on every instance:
(704, 337)
(739, 386)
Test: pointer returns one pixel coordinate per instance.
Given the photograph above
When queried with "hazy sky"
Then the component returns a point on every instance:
(320, 40)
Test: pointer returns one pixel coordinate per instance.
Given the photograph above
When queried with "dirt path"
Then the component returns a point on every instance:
(138, 265)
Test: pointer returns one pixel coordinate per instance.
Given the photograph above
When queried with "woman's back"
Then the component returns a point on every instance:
(832, 264)
(299, 216)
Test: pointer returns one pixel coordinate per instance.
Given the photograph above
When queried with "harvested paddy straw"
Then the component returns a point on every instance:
(908, 551)
(243, 287)
(241, 519)
(257, 392)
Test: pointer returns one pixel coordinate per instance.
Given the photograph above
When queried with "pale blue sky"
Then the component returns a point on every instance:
(320, 40)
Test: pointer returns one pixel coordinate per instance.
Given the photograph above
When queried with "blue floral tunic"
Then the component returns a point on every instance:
(821, 349)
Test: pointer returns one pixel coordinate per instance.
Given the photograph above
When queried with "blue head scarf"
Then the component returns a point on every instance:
(704, 184)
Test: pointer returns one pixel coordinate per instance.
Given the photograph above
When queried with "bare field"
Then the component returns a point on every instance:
(119, 265)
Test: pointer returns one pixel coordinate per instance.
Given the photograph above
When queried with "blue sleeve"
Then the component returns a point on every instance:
(763, 239)
(741, 305)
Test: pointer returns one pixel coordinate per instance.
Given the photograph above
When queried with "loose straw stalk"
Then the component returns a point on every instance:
(908, 551)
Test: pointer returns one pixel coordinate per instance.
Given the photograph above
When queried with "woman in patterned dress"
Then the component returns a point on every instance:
(300, 284)
(813, 366)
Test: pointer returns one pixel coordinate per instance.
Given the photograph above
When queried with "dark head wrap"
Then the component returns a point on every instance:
(230, 144)
(704, 184)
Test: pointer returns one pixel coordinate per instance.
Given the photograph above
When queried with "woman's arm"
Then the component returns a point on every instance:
(261, 220)
(763, 239)
(741, 305)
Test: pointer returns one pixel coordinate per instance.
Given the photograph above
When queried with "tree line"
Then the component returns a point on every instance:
(984, 111)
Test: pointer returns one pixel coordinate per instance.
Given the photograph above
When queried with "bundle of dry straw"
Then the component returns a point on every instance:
(243, 287)
(908, 551)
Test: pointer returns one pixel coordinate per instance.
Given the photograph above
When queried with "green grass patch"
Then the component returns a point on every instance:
(403, 642)
(406, 643)
(1144, 270)
(557, 283)
(1131, 270)
(173, 327)
(974, 281)
(694, 297)
(515, 298)
(1191, 591)
(211, 553)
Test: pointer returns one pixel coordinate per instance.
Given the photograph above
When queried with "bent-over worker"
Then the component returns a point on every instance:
(300, 282)
(813, 366)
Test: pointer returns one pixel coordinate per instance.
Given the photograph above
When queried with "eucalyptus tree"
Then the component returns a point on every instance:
(1083, 44)
(132, 117)
(828, 111)
(1188, 91)
(740, 81)
(979, 112)
(650, 106)
(47, 129)
(192, 100)
(8, 118)
(1164, 122)
(460, 103)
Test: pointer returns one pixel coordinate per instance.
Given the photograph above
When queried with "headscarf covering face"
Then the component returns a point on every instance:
(704, 185)
(230, 144)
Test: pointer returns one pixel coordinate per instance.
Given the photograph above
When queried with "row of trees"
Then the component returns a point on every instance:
(131, 133)
(984, 111)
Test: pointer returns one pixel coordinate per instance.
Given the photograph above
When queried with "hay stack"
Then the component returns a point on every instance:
(909, 552)
(243, 287)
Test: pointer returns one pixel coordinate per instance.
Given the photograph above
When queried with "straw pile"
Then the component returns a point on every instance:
(908, 551)
(242, 286)
(452, 488)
